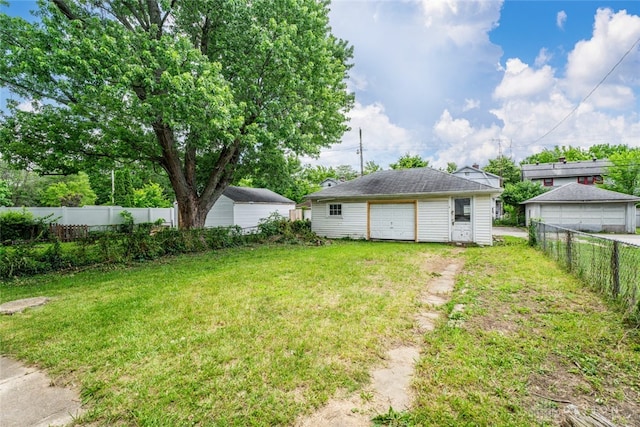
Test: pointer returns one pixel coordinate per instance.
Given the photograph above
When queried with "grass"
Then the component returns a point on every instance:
(530, 335)
(241, 337)
(260, 336)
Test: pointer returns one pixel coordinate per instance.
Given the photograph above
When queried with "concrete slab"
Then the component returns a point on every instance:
(20, 305)
(28, 398)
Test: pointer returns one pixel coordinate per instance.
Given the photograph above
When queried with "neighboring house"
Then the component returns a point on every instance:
(585, 208)
(245, 207)
(422, 205)
(329, 182)
(474, 173)
(557, 174)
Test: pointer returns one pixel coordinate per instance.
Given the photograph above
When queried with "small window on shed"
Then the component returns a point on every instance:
(548, 182)
(335, 209)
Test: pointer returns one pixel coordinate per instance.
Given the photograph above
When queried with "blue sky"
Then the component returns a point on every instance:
(461, 80)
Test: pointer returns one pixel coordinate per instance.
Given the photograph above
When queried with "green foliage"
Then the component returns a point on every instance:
(504, 167)
(151, 195)
(202, 91)
(74, 191)
(371, 167)
(144, 242)
(452, 167)
(408, 161)
(571, 154)
(533, 233)
(547, 155)
(21, 225)
(392, 418)
(24, 185)
(623, 175)
(514, 194)
(5, 194)
(278, 228)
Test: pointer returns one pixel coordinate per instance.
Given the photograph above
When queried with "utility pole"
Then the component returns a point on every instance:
(360, 152)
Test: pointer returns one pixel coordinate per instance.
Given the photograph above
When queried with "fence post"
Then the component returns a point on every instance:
(615, 269)
(569, 263)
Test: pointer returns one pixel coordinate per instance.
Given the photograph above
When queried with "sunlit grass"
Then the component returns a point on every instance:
(530, 332)
(243, 337)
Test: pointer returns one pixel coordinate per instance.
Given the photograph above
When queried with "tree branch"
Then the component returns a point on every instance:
(66, 10)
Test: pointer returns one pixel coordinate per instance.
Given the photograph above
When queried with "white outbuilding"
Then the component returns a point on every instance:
(246, 207)
(584, 208)
(421, 205)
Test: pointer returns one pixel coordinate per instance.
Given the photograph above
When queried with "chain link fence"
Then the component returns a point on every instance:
(610, 266)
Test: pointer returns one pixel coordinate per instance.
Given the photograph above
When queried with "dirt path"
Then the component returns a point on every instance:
(391, 384)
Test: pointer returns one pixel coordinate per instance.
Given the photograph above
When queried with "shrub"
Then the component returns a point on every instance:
(21, 225)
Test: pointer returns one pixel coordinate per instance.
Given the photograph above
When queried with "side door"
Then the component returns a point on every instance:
(461, 224)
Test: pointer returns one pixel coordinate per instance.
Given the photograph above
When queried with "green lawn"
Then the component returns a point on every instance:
(259, 336)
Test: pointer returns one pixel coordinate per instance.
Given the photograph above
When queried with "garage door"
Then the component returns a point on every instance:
(392, 221)
(588, 216)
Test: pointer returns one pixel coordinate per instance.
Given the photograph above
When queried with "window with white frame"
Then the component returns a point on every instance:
(335, 209)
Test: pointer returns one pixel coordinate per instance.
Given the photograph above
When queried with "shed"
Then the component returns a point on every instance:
(246, 207)
(421, 205)
(585, 208)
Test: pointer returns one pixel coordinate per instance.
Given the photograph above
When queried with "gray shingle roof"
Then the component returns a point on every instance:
(255, 195)
(560, 169)
(417, 181)
(580, 193)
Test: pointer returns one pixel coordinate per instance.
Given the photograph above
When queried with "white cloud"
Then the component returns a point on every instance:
(429, 81)
(462, 21)
(591, 60)
(470, 104)
(544, 56)
(383, 141)
(520, 80)
(561, 18)
(464, 143)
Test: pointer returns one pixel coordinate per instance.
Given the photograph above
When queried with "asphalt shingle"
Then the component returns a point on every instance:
(404, 182)
(579, 193)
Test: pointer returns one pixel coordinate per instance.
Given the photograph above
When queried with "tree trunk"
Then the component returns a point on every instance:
(190, 214)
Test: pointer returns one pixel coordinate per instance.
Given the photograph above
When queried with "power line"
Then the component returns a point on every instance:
(590, 93)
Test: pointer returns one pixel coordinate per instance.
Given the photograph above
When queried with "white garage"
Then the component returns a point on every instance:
(392, 221)
(246, 207)
(584, 208)
(416, 205)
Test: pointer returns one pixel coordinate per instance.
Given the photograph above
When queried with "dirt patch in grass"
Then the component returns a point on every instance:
(390, 387)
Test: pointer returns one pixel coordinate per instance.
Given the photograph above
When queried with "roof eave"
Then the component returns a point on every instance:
(494, 191)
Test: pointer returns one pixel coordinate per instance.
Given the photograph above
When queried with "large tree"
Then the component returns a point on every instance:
(207, 89)
(623, 175)
(505, 168)
(408, 161)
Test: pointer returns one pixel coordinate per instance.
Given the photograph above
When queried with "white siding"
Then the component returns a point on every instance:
(248, 215)
(352, 223)
(221, 215)
(433, 220)
(482, 220)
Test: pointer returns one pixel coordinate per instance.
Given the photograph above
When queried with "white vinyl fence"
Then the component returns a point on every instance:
(101, 215)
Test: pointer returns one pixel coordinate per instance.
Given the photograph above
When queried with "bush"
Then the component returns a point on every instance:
(144, 242)
(22, 226)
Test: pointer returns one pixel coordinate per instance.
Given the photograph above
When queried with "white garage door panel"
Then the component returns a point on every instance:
(597, 215)
(392, 221)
